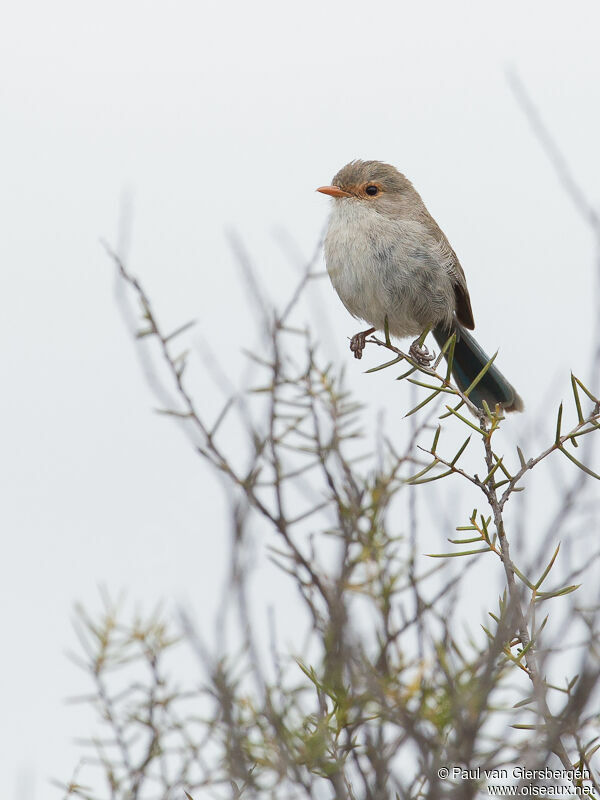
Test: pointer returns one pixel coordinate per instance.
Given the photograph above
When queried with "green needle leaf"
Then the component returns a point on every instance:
(558, 423)
(462, 553)
(384, 366)
(464, 419)
(461, 451)
(581, 466)
(436, 438)
(548, 568)
(423, 403)
(577, 400)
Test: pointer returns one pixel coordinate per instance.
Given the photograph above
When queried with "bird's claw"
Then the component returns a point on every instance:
(358, 342)
(421, 354)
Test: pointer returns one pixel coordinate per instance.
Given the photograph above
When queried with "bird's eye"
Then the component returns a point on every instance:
(372, 190)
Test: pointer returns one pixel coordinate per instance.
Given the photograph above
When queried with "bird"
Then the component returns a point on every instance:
(391, 264)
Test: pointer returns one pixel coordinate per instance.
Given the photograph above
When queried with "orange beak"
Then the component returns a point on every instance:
(333, 191)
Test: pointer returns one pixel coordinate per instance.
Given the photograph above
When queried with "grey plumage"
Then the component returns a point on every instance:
(387, 257)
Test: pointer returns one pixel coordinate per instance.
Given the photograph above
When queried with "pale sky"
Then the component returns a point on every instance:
(220, 116)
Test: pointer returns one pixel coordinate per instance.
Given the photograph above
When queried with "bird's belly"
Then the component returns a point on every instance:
(373, 295)
(376, 278)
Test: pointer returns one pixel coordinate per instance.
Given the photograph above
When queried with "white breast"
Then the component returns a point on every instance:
(383, 267)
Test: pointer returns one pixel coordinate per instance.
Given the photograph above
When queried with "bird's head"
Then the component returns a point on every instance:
(374, 184)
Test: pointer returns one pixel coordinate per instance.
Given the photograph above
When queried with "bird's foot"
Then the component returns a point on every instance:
(358, 342)
(420, 354)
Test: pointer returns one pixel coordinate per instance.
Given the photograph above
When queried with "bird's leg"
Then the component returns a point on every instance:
(358, 341)
(420, 353)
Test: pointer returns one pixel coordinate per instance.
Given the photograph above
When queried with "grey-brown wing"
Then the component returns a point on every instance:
(464, 312)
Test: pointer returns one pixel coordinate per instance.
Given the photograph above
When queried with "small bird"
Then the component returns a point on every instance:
(387, 257)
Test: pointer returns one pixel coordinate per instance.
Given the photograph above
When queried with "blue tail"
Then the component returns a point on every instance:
(469, 360)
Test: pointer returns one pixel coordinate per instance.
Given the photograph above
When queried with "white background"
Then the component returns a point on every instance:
(217, 116)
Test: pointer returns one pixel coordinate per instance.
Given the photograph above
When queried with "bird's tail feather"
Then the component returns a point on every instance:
(469, 359)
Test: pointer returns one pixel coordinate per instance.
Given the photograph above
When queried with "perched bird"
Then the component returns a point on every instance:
(387, 257)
